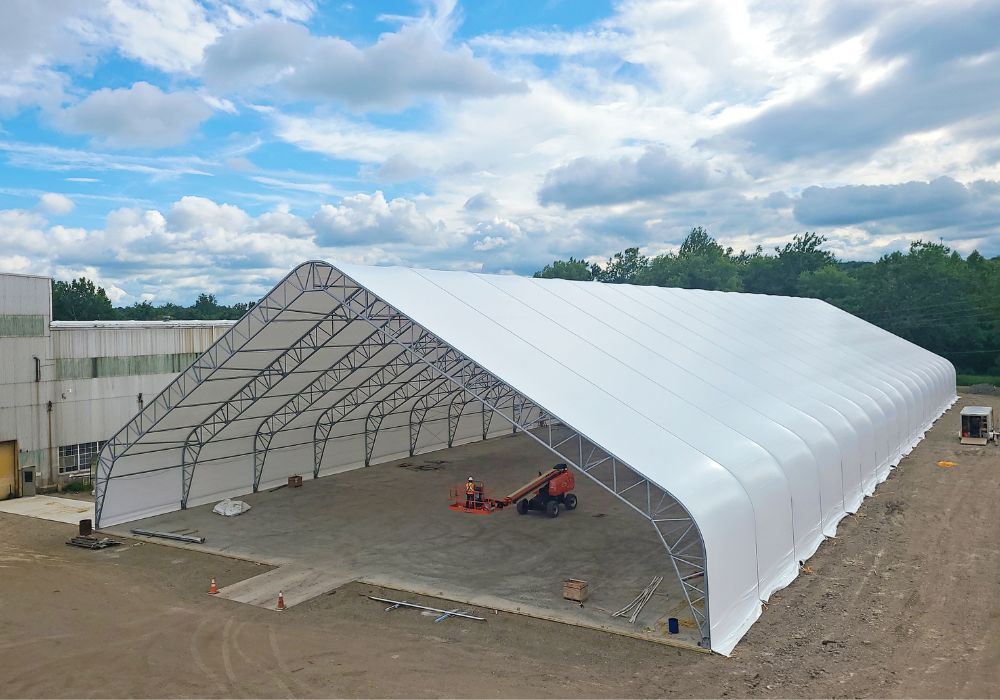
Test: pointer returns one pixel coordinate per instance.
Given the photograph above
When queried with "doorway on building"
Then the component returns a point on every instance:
(8, 470)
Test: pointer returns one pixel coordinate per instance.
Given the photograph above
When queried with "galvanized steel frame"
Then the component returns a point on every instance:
(440, 365)
(305, 346)
(674, 526)
(210, 362)
(416, 387)
(357, 359)
(457, 397)
(424, 405)
(455, 417)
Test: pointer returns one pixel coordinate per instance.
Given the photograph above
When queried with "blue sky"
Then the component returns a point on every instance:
(169, 147)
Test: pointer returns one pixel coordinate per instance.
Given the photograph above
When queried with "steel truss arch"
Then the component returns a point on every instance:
(241, 335)
(461, 400)
(675, 528)
(417, 388)
(308, 344)
(367, 390)
(456, 398)
(424, 405)
(331, 379)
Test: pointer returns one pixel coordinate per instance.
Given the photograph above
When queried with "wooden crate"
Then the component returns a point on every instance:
(575, 589)
(294, 481)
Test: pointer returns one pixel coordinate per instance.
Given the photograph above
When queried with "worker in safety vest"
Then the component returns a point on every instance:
(470, 493)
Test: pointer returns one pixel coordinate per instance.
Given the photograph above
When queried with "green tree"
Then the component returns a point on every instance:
(571, 269)
(80, 300)
(829, 283)
(701, 263)
(928, 295)
(206, 307)
(139, 311)
(698, 243)
(804, 254)
(626, 267)
(240, 309)
(779, 274)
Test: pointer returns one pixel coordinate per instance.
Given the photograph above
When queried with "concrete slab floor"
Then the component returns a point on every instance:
(55, 508)
(294, 583)
(389, 524)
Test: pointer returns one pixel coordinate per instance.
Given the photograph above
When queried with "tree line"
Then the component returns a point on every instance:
(82, 300)
(928, 294)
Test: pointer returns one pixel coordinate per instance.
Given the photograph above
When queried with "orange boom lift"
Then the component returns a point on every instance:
(552, 489)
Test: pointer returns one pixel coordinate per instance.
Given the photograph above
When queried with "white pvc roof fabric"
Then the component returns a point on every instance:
(768, 418)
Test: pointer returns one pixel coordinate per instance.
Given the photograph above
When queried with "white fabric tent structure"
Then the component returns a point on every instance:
(742, 427)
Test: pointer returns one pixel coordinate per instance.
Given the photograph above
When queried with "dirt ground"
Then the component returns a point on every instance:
(903, 603)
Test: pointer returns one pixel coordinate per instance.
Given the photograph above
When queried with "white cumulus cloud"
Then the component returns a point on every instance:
(55, 204)
(588, 182)
(140, 116)
(400, 66)
(371, 218)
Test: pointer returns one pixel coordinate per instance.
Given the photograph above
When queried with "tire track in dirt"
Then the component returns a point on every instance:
(196, 652)
(227, 662)
(275, 677)
(272, 639)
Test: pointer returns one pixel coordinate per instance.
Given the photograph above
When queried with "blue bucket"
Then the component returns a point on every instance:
(673, 625)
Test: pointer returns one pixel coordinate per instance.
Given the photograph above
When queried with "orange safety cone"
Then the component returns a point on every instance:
(281, 601)
(213, 589)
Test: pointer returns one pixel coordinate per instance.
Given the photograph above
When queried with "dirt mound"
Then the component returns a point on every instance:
(987, 389)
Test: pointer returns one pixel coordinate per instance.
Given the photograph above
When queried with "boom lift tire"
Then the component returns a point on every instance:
(570, 501)
(552, 509)
(522, 506)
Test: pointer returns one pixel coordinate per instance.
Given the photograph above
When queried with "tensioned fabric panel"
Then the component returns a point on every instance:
(768, 418)
(772, 436)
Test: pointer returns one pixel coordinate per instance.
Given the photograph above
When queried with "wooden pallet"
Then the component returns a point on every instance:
(92, 542)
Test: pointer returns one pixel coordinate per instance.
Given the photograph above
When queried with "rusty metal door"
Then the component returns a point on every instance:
(8, 470)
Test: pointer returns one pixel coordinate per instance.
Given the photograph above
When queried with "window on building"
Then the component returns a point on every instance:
(67, 459)
(87, 454)
(78, 459)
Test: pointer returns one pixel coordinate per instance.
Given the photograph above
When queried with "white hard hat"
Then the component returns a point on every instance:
(471, 479)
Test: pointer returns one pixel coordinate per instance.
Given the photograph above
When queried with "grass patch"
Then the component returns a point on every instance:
(970, 379)
(78, 486)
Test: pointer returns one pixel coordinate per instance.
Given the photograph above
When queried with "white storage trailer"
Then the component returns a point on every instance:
(977, 425)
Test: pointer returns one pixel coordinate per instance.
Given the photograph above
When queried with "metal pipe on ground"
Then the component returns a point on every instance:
(404, 604)
(635, 607)
(169, 536)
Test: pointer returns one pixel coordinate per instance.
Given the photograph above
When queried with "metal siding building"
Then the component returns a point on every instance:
(67, 386)
(741, 427)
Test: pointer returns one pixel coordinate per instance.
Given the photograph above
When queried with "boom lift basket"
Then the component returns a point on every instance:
(481, 503)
